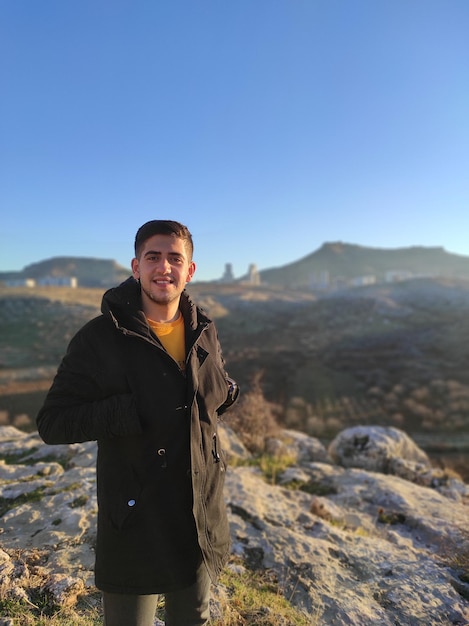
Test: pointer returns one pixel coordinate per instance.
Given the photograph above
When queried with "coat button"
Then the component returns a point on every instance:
(131, 503)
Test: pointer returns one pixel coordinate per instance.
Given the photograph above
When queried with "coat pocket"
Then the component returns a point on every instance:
(125, 505)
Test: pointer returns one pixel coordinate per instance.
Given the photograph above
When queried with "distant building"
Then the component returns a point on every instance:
(58, 281)
(361, 281)
(320, 280)
(44, 281)
(394, 276)
(20, 282)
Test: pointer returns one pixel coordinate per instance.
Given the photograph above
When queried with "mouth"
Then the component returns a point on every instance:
(163, 281)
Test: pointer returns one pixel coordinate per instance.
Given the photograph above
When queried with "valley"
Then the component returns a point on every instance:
(393, 354)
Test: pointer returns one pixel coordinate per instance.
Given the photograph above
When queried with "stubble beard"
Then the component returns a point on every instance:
(159, 298)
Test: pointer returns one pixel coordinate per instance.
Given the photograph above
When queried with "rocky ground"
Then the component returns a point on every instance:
(366, 532)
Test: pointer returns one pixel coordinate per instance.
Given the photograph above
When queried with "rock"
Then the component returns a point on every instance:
(349, 572)
(324, 508)
(298, 445)
(9, 433)
(380, 538)
(232, 444)
(64, 590)
(374, 448)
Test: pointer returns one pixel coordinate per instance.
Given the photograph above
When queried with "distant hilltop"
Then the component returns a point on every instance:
(334, 265)
(339, 264)
(68, 271)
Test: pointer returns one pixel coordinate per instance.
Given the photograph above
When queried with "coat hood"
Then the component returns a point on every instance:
(123, 304)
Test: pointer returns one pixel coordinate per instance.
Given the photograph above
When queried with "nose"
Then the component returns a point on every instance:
(164, 265)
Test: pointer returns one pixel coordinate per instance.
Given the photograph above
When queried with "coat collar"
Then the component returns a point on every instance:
(123, 304)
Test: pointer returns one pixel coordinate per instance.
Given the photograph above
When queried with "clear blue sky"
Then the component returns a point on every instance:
(267, 126)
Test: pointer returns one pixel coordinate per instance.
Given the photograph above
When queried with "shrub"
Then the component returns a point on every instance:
(254, 419)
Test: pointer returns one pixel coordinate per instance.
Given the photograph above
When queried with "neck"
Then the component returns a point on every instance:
(160, 312)
(153, 318)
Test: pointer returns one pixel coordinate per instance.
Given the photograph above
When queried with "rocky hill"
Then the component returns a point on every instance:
(333, 266)
(337, 264)
(364, 532)
(89, 272)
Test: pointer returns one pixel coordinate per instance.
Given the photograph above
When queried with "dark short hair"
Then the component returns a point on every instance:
(163, 227)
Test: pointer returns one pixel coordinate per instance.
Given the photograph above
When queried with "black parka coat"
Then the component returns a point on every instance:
(160, 469)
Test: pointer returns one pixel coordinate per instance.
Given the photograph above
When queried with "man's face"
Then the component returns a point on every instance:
(163, 268)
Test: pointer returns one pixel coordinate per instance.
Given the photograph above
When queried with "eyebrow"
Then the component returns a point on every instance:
(152, 252)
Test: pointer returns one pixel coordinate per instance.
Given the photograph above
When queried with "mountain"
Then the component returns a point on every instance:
(331, 266)
(89, 272)
(336, 264)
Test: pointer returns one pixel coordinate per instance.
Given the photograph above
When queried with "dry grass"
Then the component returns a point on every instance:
(455, 554)
(66, 295)
(254, 419)
(243, 598)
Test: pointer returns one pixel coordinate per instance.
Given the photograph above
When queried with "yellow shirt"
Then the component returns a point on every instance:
(171, 335)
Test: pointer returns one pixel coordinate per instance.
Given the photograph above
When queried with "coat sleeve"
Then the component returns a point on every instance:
(78, 407)
(231, 397)
(232, 386)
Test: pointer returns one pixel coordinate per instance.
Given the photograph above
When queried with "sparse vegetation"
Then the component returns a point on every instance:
(270, 465)
(51, 323)
(39, 611)
(245, 598)
(312, 487)
(6, 504)
(456, 556)
(253, 418)
(392, 354)
(18, 457)
(255, 598)
(78, 502)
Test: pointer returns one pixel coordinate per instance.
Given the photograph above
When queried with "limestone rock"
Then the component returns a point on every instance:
(369, 534)
(64, 590)
(297, 445)
(232, 444)
(374, 448)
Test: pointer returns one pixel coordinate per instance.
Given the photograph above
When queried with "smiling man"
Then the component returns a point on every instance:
(163, 265)
(146, 379)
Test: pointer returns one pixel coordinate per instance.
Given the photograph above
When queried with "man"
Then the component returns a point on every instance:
(146, 379)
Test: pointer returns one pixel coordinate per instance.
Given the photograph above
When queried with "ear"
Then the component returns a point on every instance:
(190, 271)
(135, 270)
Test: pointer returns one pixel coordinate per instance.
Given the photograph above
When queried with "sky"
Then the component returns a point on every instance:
(268, 127)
